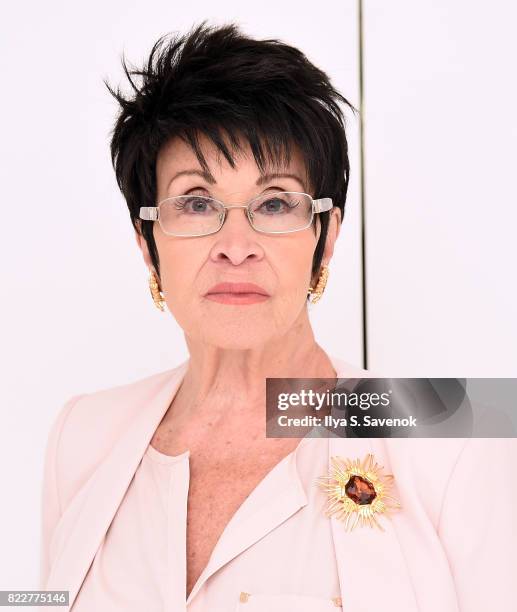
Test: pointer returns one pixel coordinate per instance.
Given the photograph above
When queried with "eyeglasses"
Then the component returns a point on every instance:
(270, 213)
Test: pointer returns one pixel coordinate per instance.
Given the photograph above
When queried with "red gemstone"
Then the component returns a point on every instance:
(360, 490)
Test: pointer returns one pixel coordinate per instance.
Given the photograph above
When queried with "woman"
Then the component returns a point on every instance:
(166, 493)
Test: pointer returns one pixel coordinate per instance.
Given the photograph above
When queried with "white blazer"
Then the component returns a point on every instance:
(451, 548)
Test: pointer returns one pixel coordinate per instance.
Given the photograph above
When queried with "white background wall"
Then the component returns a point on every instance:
(77, 315)
(441, 207)
(441, 194)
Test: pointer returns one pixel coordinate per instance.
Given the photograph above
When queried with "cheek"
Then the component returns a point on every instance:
(294, 264)
(179, 265)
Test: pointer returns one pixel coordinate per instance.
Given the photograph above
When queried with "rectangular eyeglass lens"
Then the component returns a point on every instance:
(190, 215)
(281, 212)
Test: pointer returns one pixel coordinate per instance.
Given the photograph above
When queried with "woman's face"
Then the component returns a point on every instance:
(190, 266)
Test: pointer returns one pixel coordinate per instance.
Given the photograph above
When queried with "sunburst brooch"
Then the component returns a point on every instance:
(357, 491)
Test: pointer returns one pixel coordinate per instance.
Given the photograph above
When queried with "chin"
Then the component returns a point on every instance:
(236, 337)
(236, 327)
(237, 333)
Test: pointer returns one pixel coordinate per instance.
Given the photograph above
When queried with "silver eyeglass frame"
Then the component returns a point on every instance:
(152, 213)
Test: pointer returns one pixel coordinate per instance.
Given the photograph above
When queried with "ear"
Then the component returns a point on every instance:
(334, 227)
(142, 245)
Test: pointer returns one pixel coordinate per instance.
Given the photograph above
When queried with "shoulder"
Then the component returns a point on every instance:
(88, 425)
(112, 407)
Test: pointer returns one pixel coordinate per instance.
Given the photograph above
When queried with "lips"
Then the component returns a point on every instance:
(237, 288)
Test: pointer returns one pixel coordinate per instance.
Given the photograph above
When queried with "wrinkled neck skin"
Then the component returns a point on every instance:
(233, 382)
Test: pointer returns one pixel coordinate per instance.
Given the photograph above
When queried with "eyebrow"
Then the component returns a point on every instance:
(205, 175)
(269, 176)
(264, 178)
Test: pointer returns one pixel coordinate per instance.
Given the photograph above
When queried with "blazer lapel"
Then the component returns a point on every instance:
(373, 574)
(87, 519)
(277, 497)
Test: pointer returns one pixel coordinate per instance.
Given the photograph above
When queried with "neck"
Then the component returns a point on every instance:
(231, 380)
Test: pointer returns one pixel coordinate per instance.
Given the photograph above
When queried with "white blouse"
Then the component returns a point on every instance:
(270, 557)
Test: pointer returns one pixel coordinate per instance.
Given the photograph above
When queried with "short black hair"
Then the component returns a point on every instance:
(218, 82)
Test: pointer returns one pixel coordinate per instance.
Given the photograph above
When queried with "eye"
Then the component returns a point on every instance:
(277, 204)
(196, 205)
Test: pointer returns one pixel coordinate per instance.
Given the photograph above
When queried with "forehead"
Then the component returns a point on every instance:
(177, 154)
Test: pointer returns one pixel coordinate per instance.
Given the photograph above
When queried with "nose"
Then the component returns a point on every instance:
(236, 242)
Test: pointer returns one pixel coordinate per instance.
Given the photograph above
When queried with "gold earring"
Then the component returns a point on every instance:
(156, 294)
(317, 292)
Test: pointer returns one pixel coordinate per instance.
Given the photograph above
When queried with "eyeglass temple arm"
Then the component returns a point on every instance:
(322, 205)
(148, 213)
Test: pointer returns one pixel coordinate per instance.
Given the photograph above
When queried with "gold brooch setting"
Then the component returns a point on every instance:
(358, 491)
